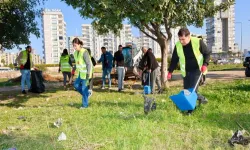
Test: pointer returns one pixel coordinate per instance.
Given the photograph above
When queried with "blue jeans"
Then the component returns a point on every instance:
(25, 78)
(121, 75)
(82, 88)
(106, 72)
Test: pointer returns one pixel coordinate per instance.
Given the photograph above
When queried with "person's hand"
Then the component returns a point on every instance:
(149, 70)
(169, 76)
(114, 70)
(73, 72)
(140, 73)
(125, 69)
(35, 68)
(203, 68)
(59, 70)
(21, 66)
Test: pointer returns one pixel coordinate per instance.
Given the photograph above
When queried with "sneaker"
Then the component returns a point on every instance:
(119, 90)
(203, 101)
(83, 107)
(24, 92)
(90, 93)
(189, 113)
(102, 88)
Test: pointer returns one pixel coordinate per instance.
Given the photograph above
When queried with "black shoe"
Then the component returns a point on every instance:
(153, 106)
(29, 90)
(24, 92)
(203, 101)
(160, 91)
(189, 113)
(119, 90)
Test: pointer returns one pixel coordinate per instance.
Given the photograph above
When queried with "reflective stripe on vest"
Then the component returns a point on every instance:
(196, 49)
(80, 64)
(25, 57)
(65, 66)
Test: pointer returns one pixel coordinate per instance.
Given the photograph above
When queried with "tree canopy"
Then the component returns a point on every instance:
(17, 21)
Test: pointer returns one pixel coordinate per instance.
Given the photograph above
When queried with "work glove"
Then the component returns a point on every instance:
(73, 72)
(169, 76)
(203, 68)
(22, 67)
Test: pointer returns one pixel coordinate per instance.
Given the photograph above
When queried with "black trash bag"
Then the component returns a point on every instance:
(37, 85)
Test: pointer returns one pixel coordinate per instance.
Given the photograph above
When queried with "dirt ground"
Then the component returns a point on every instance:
(176, 80)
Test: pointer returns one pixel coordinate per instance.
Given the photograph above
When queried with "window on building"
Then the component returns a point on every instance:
(60, 37)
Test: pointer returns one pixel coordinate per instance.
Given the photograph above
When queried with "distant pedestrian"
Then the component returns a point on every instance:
(118, 64)
(107, 61)
(65, 65)
(83, 71)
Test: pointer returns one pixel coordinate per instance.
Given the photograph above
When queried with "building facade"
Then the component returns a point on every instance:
(54, 35)
(220, 30)
(111, 41)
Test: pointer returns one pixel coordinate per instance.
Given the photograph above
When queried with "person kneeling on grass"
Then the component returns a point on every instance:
(82, 71)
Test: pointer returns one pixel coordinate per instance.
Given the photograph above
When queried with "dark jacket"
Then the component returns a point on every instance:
(149, 61)
(191, 62)
(107, 60)
(119, 59)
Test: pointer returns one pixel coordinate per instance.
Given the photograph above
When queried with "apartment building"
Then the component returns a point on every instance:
(221, 30)
(54, 35)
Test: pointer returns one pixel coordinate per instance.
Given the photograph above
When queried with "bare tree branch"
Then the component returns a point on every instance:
(139, 27)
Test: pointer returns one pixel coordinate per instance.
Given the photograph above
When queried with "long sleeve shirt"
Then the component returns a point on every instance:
(191, 62)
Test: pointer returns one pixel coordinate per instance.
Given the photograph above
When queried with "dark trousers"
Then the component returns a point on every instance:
(190, 80)
(65, 74)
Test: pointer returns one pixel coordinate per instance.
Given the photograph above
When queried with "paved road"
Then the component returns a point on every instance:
(214, 75)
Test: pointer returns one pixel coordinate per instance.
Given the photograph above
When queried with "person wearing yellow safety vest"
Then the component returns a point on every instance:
(193, 57)
(24, 59)
(65, 65)
(82, 71)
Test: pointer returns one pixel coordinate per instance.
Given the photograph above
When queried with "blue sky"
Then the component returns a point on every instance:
(74, 21)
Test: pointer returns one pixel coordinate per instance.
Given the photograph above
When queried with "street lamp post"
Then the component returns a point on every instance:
(240, 37)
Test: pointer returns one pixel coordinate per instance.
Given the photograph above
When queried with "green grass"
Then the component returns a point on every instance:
(6, 82)
(116, 120)
(226, 67)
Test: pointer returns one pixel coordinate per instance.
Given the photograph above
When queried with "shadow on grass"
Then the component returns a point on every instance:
(17, 99)
(39, 142)
(227, 121)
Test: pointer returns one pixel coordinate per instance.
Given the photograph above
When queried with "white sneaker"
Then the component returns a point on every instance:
(90, 93)
(103, 88)
(82, 107)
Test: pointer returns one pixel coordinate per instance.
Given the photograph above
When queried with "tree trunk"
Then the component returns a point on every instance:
(164, 62)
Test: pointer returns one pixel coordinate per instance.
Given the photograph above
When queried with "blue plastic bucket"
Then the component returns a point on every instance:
(147, 89)
(185, 102)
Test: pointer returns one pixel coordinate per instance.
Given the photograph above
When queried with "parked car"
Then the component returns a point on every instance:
(236, 61)
(221, 61)
(246, 64)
